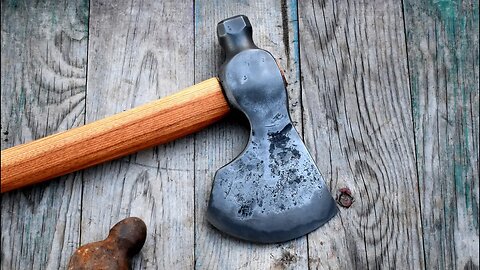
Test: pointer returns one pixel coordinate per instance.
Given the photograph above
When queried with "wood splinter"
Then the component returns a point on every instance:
(124, 240)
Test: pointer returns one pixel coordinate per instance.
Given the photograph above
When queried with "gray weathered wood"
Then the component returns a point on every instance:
(442, 40)
(216, 146)
(140, 51)
(44, 55)
(411, 158)
(358, 122)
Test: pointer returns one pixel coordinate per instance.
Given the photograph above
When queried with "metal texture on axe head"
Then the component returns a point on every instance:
(272, 192)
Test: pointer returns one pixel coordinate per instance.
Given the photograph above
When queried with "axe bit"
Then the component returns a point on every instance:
(272, 192)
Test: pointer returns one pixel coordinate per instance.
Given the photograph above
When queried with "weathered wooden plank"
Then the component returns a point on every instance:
(275, 25)
(442, 41)
(357, 118)
(140, 51)
(43, 59)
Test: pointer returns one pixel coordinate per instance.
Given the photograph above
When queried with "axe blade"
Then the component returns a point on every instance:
(272, 192)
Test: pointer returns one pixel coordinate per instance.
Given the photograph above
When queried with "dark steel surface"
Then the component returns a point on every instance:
(273, 191)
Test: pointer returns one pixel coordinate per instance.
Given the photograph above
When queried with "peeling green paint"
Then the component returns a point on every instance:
(456, 48)
(13, 4)
(415, 97)
(447, 8)
(53, 16)
(85, 13)
(442, 42)
(296, 45)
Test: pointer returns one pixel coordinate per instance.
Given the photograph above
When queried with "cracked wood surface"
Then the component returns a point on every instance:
(385, 94)
(444, 77)
(357, 108)
(43, 90)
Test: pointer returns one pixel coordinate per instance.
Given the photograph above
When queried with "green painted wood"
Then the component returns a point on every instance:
(443, 57)
(43, 76)
(358, 125)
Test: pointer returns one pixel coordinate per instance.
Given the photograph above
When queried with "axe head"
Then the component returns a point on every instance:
(272, 192)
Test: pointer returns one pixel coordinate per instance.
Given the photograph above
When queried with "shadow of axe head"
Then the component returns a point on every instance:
(272, 192)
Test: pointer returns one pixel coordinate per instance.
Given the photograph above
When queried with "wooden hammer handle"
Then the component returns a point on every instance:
(151, 124)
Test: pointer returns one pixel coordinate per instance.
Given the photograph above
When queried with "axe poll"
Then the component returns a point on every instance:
(271, 192)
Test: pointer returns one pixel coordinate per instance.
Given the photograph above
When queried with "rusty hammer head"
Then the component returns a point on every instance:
(124, 240)
(273, 191)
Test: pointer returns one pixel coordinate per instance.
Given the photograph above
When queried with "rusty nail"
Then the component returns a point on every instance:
(344, 197)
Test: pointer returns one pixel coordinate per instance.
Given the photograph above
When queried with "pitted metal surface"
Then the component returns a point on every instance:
(273, 191)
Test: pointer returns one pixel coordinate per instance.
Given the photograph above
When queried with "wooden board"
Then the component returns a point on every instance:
(273, 26)
(384, 92)
(442, 40)
(43, 71)
(139, 52)
(357, 122)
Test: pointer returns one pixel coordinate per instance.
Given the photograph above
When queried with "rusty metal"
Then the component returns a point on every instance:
(124, 240)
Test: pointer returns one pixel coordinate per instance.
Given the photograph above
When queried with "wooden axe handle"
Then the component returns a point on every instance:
(151, 124)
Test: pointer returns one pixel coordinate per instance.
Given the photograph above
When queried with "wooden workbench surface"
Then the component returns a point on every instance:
(385, 94)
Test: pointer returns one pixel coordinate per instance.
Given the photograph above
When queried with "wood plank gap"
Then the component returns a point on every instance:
(82, 173)
(218, 145)
(414, 137)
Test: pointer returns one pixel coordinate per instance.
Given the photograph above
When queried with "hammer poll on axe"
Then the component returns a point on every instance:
(272, 192)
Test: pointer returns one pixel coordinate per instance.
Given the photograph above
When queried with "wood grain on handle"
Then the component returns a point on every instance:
(151, 124)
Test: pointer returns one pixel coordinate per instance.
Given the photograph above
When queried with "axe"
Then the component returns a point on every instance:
(272, 192)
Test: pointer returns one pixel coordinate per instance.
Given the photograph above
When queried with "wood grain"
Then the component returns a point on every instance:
(357, 122)
(442, 40)
(274, 29)
(43, 69)
(148, 125)
(410, 157)
(140, 51)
